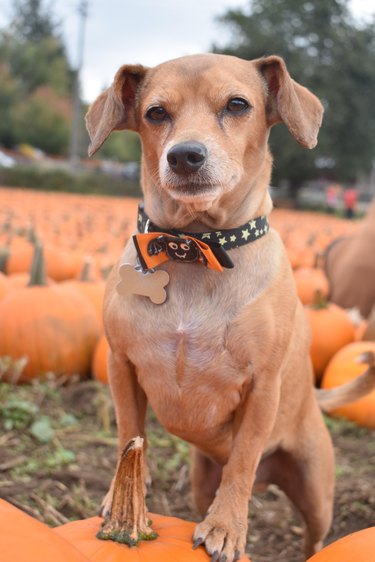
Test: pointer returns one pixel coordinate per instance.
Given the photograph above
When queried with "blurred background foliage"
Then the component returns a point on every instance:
(36, 86)
(332, 54)
(326, 49)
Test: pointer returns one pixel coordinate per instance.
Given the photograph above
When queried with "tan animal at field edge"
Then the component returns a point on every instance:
(350, 268)
(224, 361)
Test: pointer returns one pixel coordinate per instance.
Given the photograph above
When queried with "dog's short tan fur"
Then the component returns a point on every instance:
(224, 362)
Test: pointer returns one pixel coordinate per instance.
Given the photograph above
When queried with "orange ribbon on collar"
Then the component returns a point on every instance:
(154, 248)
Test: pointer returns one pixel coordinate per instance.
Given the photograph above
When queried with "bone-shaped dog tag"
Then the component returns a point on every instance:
(147, 284)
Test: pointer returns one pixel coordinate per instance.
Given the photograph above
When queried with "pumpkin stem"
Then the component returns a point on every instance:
(4, 255)
(37, 273)
(318, 260)
(128, 522)
(86, 273)
(320, 301)
(31, 234)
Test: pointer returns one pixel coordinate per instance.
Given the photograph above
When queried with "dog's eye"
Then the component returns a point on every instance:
(156, 114)
(237, 105)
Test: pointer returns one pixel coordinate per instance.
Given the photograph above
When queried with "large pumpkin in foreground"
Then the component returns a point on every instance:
(356, 547)
(153, 537)
(173, 544)
(24, 539)
(343, 368)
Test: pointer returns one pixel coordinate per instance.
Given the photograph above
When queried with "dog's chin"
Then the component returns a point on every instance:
(200, 197)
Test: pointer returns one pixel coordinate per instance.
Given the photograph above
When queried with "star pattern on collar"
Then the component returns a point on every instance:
(227, 239)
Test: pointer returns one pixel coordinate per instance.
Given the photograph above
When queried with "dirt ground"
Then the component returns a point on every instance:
(58, 451)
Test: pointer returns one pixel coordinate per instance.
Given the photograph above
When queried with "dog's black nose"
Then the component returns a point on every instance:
(186, 157)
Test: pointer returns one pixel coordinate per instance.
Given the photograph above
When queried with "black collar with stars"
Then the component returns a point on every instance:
(228, 239)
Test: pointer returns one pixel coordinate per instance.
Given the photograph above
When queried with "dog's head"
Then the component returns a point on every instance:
(204, 120)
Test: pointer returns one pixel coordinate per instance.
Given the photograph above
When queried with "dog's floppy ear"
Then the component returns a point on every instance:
(114, 109)
(290, 102)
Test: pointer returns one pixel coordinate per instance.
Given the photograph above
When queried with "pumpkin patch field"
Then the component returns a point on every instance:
(57, 424)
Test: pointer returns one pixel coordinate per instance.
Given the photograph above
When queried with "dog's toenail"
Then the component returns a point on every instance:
(197, 543)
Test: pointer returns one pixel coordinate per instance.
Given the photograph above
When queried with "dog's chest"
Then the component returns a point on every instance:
(191, 379)
(193, 353)
(187, 352)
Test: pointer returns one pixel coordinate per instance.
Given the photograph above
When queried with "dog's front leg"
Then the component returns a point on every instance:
(130, 406)
(224, 529)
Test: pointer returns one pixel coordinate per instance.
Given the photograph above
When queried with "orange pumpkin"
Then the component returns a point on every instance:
(309, 280)
(356, 547)
(18, 280)
(4, 285)
(25, 538)
(174, 542)
(331, 329)
(20, 255)
(100, 360)
(91, 287)
(94, 292)
(360, 330)
(169, 538)
(60, 264)
(54, 327)
(343, 368)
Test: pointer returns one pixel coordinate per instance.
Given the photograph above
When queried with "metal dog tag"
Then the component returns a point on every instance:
(149, 284)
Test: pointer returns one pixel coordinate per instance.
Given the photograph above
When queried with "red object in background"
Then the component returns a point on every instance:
(350, 198)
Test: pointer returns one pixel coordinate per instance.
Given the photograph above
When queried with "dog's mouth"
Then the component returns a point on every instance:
(191, 190)
(196, 194)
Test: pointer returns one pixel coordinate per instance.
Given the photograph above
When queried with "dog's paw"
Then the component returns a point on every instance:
(224, 538)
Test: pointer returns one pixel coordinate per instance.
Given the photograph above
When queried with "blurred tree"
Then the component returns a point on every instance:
(36, 84)
(123, 147)
(34, 50)
(32, 22)
(32, 55)
(9, 94)
(36, 64)
(331, 53)
(43, 120)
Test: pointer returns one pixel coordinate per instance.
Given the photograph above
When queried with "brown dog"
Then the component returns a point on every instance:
(224, 360)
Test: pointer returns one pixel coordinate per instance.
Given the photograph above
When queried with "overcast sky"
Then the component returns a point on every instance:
(143, 31)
